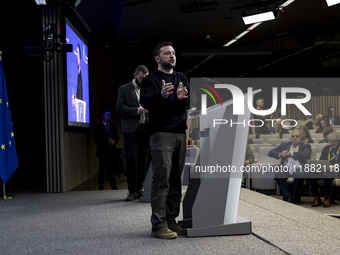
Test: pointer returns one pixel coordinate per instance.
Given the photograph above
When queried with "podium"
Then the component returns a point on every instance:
(211, 201)
(80, 110)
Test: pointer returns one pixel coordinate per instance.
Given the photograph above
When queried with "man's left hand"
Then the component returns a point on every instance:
(181, 91)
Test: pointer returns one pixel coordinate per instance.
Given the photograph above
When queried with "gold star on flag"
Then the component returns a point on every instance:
(7, 104)
(12, 134)
(10, 143)
(0, 101)
(3, 147)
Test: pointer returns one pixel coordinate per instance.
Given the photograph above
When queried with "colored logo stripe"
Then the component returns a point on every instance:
(213, 90)
(208, 92)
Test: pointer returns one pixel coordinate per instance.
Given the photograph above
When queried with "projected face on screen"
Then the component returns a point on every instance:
(78, 101)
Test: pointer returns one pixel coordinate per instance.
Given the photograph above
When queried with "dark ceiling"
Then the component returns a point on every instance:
(303, 41)
(306, 33)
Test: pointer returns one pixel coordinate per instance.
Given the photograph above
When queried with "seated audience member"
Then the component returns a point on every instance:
(286, 123)
(250, 158)
(278, 129)
(330, 153)
(303, 121)
(332, 118)
(315, 124)
(305, 135)
(323, 124)
(325, 134)
(294, 155)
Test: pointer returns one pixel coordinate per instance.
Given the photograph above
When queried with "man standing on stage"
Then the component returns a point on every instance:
(136, 134)
(165, 93)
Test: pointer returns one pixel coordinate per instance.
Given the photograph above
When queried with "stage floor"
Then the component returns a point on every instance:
(101, 222)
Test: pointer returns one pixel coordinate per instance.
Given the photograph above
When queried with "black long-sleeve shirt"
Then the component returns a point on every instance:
(165, 114)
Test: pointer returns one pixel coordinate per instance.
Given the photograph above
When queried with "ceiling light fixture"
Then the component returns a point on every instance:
(280, 8)
(332, 2)
(285, 4)
(255, 16)
(40, 2)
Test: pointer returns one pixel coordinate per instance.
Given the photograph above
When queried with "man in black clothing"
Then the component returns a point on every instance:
(165, 93)
(106, 137)
(332, 118)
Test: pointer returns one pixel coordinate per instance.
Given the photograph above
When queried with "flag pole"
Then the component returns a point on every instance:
(4, 196)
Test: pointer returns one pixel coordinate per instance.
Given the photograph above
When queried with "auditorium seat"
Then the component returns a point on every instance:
(265, 137)
(274, 142)
(257, 141)
(319, 147)
(313, 154)
(260, 181)
(256, 149)
(264, 158)
(316, 137)
(286, 136)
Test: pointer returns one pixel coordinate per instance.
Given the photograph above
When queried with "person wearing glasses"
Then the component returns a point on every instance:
(332, 118)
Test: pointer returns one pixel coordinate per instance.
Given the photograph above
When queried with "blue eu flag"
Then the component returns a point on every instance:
(8, 151)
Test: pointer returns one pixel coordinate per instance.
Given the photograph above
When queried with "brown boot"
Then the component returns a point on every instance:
(327, 202)
(316, 202)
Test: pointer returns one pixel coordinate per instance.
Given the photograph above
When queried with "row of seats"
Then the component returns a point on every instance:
(263, 138)
(257, 182)
(261, 152)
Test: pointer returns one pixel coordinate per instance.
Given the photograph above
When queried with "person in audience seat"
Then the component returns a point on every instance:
(294, 155)
(303, 121)
(330, 153)
(315, 124)
(332, 118)
(325, 134)
(305, 135)
(278, 129)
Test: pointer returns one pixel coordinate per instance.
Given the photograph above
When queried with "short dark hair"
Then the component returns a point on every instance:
(141, 68)
(329, 109)
(79, 51)
(157, 49)
(104, 111)
(327, 122)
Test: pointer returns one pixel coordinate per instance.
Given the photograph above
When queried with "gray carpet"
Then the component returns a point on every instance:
(100, 222)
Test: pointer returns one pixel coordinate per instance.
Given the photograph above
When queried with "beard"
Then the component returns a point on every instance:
(137, 82)
(167, 65)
